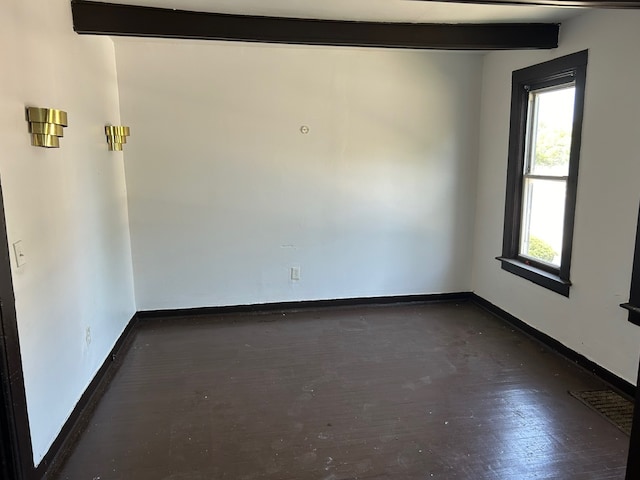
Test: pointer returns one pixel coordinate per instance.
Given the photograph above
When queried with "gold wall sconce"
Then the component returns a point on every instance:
(45, 126)
(116, 136)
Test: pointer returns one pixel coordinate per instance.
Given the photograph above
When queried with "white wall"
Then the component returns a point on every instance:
(590, 321)
(67, 205)
(226, 194)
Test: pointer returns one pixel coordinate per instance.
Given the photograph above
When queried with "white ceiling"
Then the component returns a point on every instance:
(371, 10)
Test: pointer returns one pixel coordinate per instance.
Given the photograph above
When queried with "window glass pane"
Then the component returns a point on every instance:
(543, 220)
(550, 127)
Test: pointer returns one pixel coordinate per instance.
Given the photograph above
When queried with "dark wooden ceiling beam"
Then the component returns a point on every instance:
(100, 18)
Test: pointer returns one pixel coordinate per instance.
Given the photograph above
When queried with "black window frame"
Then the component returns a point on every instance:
(569, 69)
(633, 305)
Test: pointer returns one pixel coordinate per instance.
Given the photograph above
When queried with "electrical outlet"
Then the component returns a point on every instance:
(295, 273)
(18, 251)
(87, 336)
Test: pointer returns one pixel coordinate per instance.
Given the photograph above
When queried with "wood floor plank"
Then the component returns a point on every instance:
(401, 391)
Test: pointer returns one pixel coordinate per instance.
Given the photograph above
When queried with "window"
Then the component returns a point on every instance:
(547, 102)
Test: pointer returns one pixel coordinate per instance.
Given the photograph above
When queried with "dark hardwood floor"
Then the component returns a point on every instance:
(418, 391)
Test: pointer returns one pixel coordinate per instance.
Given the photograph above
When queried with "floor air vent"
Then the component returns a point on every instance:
(614, 407)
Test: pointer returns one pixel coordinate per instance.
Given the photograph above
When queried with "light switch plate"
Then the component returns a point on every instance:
(18, 250)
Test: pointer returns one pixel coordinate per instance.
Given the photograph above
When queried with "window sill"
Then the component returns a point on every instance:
(634, 312)
(536, 275)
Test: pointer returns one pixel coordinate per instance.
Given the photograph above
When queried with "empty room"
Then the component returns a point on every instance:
(319, 239)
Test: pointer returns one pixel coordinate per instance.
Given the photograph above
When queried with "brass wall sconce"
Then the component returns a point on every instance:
(45, 126)
(116, 136)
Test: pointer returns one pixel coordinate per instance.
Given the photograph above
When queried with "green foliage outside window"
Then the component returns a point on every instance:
(552, 146)
(538, 248)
